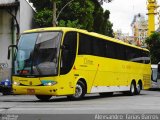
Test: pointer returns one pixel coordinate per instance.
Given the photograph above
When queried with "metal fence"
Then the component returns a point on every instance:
(4, 71)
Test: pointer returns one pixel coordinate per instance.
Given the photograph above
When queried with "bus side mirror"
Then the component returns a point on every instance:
(9, 50)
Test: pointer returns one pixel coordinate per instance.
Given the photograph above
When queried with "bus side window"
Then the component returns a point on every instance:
(68, 52)
(154, 74)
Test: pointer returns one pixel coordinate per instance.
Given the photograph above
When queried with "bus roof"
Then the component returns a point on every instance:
(65, 29)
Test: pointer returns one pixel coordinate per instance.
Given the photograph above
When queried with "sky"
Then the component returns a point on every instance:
(123, 11)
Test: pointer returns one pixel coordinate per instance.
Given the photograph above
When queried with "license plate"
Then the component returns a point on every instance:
(30, 91)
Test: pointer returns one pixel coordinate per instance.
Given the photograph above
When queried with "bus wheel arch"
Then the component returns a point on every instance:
(80, 90)
(84, 82)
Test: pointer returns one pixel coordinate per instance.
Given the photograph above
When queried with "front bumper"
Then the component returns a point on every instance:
(37, 90)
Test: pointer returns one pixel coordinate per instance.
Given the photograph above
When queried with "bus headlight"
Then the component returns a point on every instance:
(48, 83)
(16, 83)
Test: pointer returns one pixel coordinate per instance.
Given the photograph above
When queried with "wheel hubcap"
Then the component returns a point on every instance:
(132, 88)
(138, 88)
(78, 91)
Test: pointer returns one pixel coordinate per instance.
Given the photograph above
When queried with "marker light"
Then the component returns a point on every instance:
(48, 82)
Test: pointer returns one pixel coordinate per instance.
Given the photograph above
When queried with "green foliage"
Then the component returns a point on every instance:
(106, 28)
(44, 18)
(102, 1)
(68, 23)
(102, 24)
(79, 10)
(41, 4)
(83, 14)
(153, 42)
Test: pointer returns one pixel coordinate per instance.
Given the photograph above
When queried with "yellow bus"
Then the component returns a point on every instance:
(61, 61)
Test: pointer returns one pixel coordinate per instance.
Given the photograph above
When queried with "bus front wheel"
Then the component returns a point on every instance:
(79, 91)
(43, 97)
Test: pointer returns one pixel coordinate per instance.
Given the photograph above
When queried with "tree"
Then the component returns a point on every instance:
(44, 18)
(80, 11)
(102, 24)
(102, 1)
(40, 5)
(98, 17)
(84, 14)
(153, 43)
(54, 10)
(44, 14)
(106, 27)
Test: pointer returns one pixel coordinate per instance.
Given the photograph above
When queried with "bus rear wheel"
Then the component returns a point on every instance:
(138, 88)
(43, 97)
(132, 89)
(80, 91)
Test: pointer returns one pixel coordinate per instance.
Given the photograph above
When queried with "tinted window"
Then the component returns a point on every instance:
(99, 47)
(146, 57)
(110, 50)
(90, 45)
(120, 51)
(85, 44)
(68, 52)
(132, 54)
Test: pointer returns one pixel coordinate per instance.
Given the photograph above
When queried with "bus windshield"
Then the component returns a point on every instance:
(38, 54)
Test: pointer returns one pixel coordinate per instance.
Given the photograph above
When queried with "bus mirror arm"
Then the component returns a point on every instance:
(64, 47)
(9, 50)
(8, 54)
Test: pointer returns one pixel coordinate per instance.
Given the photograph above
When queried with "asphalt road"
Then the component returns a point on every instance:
(148, 102)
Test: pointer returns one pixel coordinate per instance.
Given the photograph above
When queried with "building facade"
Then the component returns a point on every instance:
(125, 37)
(139, 29)
(15, 17)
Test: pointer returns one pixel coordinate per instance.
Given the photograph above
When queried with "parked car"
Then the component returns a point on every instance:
(5, 87)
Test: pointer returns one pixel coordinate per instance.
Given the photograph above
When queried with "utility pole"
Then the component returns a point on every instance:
(54, 13)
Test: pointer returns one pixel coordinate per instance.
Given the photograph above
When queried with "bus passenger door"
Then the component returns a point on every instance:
(68, 55)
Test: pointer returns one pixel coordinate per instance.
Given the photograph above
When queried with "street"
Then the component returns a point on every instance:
(147, 102)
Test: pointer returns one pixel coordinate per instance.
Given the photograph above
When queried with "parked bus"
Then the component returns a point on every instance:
(155, 75)
(72, 62)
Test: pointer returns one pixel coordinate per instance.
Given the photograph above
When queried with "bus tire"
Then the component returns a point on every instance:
(132, 90)
(79, 92)
(106, 94)
(43, 97)
(138, 88)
